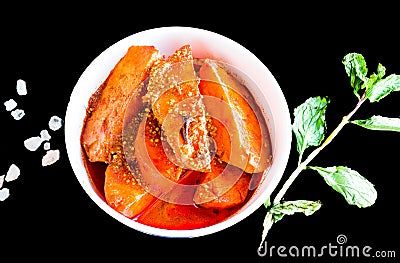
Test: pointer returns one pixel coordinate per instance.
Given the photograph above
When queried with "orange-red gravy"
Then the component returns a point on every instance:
(167, 215)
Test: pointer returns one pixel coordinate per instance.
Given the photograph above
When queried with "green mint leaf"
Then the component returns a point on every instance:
(383, 87)
(374, 78)
(290, 207)
(276, 213)
(267, 202)
(354, 187)
(379, 123)
(356, 69)
(309, 123)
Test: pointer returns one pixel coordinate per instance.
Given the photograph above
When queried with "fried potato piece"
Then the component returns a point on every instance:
(225, 186)
(157, 171)
(240, 135)
(174, 214)
(106, 108)
(177, 104)
(124, 187)
(122, 192)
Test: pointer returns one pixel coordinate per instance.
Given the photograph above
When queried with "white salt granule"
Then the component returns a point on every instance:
(12, 173)
(33, 143)
(46, 146)
(10, 104)
(1, 180)
(44, 134)
(18, 114)
(50, 157)
(21, 87)
(4, 194)
(55, 123)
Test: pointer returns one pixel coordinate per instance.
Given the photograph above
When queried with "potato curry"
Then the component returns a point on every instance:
(174, 142)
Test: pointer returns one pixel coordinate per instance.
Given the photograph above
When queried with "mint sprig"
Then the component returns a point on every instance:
(309, 127)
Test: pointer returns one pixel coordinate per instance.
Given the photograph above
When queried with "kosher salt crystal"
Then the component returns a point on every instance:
(33, 143)
(44, 134)
(10, 104)
(46, 146)
(21, 87)
(55, 123)
(18, 114)
(4, 194)
(50, 157)
(12, 173)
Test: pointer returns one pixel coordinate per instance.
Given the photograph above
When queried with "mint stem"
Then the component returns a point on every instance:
(301, 166)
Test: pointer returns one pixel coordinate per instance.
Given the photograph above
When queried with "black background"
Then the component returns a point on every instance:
(49, 216)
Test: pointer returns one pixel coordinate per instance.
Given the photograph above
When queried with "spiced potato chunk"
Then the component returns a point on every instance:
(177, 104)
(225, 186)
(122, 191)
(106, 109)
(153, 169)
(127, 179)
(241, 136)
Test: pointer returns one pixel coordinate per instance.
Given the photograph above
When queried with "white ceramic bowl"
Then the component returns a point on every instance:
(204, 44)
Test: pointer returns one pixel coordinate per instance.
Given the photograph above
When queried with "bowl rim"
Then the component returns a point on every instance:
(110, 56)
